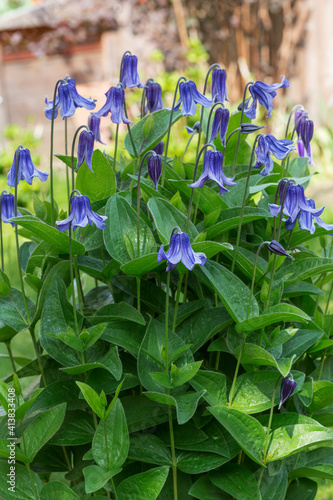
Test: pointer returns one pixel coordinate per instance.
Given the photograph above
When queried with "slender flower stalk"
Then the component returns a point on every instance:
(244, 198)
(51, 146)
(206, 146)
(294, 109)
(71, 267)
(215, 65)
(66, 153)
(1, 237)
(254, 276)
(241, 121)
(181, 79)
(215, 105)
(11, 357)
(180, 281)
(268, 430)
(73, 154)
(231, 394)
(115, 149)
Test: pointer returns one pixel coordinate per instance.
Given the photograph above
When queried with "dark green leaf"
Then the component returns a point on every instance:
(237, 481)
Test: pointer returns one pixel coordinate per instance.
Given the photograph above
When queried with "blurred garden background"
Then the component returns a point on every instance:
(43, 40)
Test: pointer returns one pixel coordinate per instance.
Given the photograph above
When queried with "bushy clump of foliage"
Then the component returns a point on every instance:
(196, 363)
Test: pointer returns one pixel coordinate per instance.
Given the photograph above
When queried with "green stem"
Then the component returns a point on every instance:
(27, 464)
(66, 153)
(177, 302)
(18, 246)
(130, 131)
(106, 445)
(298, 106)
(114, 489)
(188, 143)
(72, 155)
(72, 274)
(51, 148)
(215, 65)
(138, 194)
(244, 200)
(169, 130)
(11, 357)
(185, 287)
(217, 361)
(138, 292)
(254, 276)
(39, 360)
(167, 324)
(270, 283)
(173, 455)
(79, 285)
(115, 149)
(241, 121)
(1, 237)
(322, 362)
(236, 371)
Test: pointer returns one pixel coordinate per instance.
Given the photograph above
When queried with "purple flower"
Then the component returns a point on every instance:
(129, 74)
(264, 93)
(67, 99)
(276, 247)
(154, 164)
(304, 129)
(249, 128)
(94, 125)
(193, 130)
(306, 219)
(190, 97)
(114, 104)
(153, 97)
(294, 203)
(85, 148)
(180, 250)
(219, 85)
(220, 124)
(288, 385)
(159, 148)
(8, 208)
(81, 215)
(268, 144)
(25, 169)
(213, 170)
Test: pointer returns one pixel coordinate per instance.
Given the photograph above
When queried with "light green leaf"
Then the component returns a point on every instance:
(146, 485)
(100, 183)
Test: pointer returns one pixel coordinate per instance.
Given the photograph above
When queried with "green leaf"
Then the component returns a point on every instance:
(185, 373)
(275, 314)
(214, 384)
(161, 124)
(322, 395)
(57, 315)
(4, 284)
(77, 429)
(96, 477)
(118, 312)
(109, 361)
(147, 485)
(112, 454)
(141, 413)
(260, 384)
(100, 183)
(51, 235)
(142, 265)
(55, 490)
(92, 399)
(162, 379)
(229, 219)
(42, 429)
(125, 334)
(237, 481)
(195, 462)
(186, 405)
(8, 449)
(300, 342)
(120, 235)
(303, 269)
(167, 217)
(257, 356)
(204, 489)
(292, 439)
(13, 314)
(22, 484)
(203, 325)
(274, 487)
(149, 449)
(306, 392)
(149, 357)
(317, 471)
(234, 294)
(246, 430)
(208, 200)
(302, 489)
